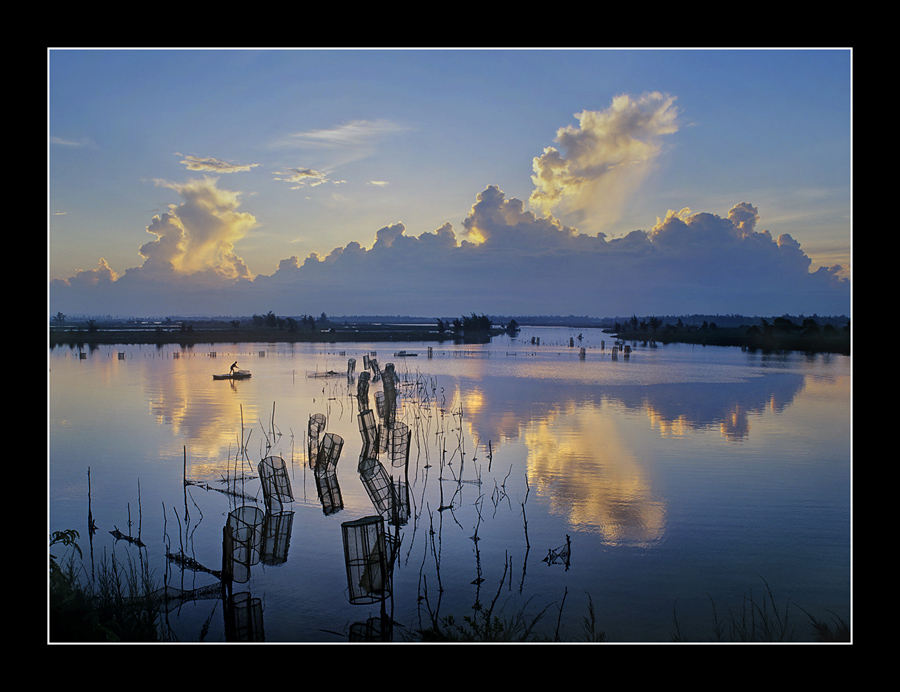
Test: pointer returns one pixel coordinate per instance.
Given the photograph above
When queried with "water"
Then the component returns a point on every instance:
(683, 477)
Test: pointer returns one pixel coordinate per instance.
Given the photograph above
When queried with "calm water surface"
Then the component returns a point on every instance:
(680, 477)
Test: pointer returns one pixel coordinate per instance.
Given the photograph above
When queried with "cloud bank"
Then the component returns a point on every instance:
(505, 258)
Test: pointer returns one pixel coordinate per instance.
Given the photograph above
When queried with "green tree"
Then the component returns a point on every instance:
(476, 323)
(782, 324)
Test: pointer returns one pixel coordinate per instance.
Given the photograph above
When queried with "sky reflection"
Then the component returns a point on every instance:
(746, 474)
(587, 471)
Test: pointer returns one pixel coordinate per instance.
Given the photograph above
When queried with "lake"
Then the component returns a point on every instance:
(546, 476)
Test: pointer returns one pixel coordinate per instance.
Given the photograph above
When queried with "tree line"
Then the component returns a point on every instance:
(272, 321)
(473, 324)
(778, 326)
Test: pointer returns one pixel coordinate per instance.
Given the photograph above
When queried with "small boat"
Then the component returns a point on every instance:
(325, 373)
(236, 375)
(405, 354)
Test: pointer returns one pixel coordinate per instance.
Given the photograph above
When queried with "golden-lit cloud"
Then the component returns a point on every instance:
(103, 274)
(600, 163)
(198, 235)
(506, 260)
(505, 223)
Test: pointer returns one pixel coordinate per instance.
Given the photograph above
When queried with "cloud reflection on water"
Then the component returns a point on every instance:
(578, 454)
(586, 468)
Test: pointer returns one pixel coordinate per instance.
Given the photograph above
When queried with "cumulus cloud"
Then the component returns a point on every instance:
(603, 160)
(199, 234)
(512, 261)
(103, 274)
(506, 259)
(504, 223)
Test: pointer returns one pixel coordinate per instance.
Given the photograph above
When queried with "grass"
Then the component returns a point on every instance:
(757, 620)
(119, 605)
(754, 620)
(115, 605)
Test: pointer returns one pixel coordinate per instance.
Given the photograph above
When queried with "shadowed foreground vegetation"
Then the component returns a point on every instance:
(121, 602)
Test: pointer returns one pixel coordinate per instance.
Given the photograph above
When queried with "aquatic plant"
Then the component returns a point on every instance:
(118, 605)
(762, 620)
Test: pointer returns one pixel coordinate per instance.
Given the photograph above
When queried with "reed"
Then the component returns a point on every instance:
(117, 605)
(756, 620)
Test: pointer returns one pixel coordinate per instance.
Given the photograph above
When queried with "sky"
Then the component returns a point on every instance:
(431, 182)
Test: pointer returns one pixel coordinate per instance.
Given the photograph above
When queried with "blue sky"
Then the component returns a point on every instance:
(445, 182)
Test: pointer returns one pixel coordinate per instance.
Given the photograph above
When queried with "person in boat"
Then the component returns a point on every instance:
(233, 366)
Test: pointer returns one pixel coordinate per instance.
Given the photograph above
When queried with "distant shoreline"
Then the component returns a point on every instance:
(214, 335)
(836, 342)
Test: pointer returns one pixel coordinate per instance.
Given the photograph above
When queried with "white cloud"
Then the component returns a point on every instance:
(199, 234)
(214, 165)
(72, 143)
(511, 261)
(304, 177)
(604, 160)
(506, 259)
(333, 147)
(357, 134)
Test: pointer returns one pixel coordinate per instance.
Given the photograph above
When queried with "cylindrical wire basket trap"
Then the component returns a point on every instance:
(245, 619)
(329, 453)
(366, 559)
(276, 485)
(315, 428)
(242, 542)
